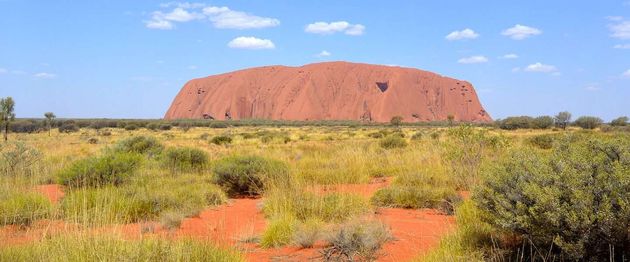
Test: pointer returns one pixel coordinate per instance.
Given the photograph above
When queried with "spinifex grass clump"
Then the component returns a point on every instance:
(542, 141)
(419, 191)
(144, 145)
(334, 207)
(221, 140)
(109, 169)
(185, 159)
(249, 175)
(22, 208)
(574, 202)
(82, 247)
(357, 241)
(393, 141)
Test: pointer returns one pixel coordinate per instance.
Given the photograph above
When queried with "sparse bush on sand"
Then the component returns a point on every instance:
(110, 169)
(357, 241)
(185, 159)
(221, 140)
(247, 175)
(145, 145)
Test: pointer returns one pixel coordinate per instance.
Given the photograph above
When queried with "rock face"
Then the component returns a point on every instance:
(328, 91)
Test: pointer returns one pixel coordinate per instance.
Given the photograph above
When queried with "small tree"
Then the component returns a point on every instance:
(589, 122)
(50, 118)
(563, 119)
(543, 122)
(450, 119)
(7, 114)
(396, 120)
(620, 121)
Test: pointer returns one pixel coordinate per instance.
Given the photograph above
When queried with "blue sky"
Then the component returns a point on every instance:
(128, 59)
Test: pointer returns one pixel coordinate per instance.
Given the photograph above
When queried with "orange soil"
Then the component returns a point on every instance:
(415, 231)
(53, 192)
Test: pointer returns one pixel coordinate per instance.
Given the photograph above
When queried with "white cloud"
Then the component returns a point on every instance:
(324, 28)
(324, 54)
(624, 46)
(541, 68)
(520, 32)
(614, 18)
(620, 30)
(44, 75)
(462, 35)
(248, 42)
(509, 56)
(473, 60)
(221, 17)
(626, 74)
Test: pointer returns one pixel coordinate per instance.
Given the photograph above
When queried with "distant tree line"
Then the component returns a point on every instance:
(561, 121)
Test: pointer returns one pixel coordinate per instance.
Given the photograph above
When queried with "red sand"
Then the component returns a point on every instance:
(53, 192)
(328, 91)
(415, 231)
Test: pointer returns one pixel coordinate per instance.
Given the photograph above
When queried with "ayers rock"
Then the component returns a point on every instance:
(328, 91)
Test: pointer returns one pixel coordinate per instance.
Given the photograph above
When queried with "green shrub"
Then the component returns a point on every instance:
(131, 127)
(165, 127)
(516, 122)
(110, 169)
(574, 202)
(145, 145)
(357, 241)
(68, 127)
(221, 140)
(96, 247)
(92, 140)
(18, 159)
(393, 141)
(542, 141)
(417, 136)
(418, 191)
(278, 233)
(247, 175)
(22, 208)
(376, 135)
(620, 121)
(153, 126)
(218, 125)
(307, 233)
(588, 122)
(542, 122)
(185, 158)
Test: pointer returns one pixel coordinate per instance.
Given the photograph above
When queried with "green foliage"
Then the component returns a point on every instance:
(542, 122)
(218, 125)
(467, 150)
(131, 127)
(278, 233)
(418, 191)
(153, 126)
(144, 145)
(22, 208)
(588, 122)
(221, 140)
(68, 127)
(165, 127)
(562, 119)
(18, 159)
(334, 207)
(620, 121)
(574, 202)
(77, 248)
(7, 114)
(396, 121)
(247, 175)
(417, 136)
(393, 141)
(516, 122)
(357, 241)
(185, 159)
(110, 169)
(542, 141)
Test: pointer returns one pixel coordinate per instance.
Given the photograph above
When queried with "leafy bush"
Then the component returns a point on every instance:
(516, 122)
(393, 141)
(92, 140)
(97, 247)
(145, 145)
(22, 208)
(131, 127)
(247, 175)
(542, 141)
(110, 169)
(574, 202)
(417, 136)
(376, 135)
(165, 127)
(185, 158)
(620, 121)
(18, 159)
(396, 121)
(68, 127)
(221, 140)
(542, 122)
(588, 122)
(357, 241)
